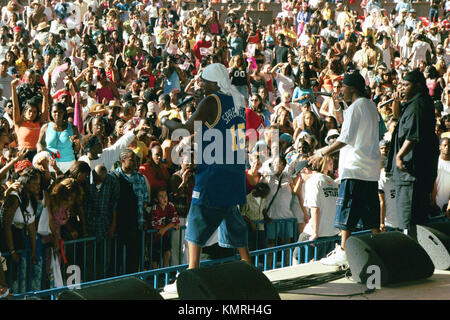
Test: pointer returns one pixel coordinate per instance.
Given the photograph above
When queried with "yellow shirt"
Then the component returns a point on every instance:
(326, 14)
(21, 67)
(170, 114)
(141, 150)
(290, 34)
(192, 42)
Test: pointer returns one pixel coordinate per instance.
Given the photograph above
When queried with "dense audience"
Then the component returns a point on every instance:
(84, 85)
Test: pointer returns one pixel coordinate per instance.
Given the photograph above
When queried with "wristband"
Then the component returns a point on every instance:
(319, 153)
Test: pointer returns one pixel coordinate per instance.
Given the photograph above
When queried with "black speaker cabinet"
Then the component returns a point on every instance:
(394, 256)
(228, 281)
(435, 239)
(122, 289)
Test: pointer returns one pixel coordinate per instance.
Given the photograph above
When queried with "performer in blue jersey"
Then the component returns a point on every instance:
(219, 124)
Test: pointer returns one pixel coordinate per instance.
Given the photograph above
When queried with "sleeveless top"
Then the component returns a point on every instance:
(104, 92)
(28, 134)
(214, 28)
(254, 39)
(270, 41)
(23, 218)
(220, 173)
(151, 78)
(59, 141)
(109, 75)
(238, 77)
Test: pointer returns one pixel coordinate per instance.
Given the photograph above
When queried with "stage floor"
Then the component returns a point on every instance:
(437, 287)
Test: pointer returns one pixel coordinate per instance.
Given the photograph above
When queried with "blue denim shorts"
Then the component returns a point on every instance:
(203, 220)
(357, 199)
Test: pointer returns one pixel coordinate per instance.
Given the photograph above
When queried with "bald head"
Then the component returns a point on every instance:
(99, 173)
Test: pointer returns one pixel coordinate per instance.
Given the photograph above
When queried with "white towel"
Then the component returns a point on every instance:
(217, 72)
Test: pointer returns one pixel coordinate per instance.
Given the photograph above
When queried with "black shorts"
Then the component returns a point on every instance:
(357, 199)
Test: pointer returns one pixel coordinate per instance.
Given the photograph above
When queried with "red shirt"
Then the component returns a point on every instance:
(197, 52)
(254, 121)
(154, 180)
(160, 218)
(151, 78)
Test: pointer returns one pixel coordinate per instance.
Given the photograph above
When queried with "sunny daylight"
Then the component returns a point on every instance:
(250, 153)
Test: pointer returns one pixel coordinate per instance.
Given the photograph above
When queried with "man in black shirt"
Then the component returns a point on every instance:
(173, 15)
(434, 10)
(413, 157)
(281, 50)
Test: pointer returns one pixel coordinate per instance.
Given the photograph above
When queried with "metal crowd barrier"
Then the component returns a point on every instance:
(280, 256)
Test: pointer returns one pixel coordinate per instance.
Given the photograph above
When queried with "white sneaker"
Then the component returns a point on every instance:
(337, 257)
(171, 288)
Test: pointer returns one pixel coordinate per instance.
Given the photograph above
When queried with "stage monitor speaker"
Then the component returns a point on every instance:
(130, 288)
(435, 239)
(228, 281)
(398, 257)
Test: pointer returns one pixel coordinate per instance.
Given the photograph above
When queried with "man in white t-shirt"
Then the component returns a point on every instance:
(320, 195)
(359, 165)
(441, 192)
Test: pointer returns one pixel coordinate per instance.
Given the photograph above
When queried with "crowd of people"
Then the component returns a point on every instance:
(86, 88)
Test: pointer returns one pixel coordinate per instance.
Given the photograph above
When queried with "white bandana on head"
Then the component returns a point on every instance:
(217, 72)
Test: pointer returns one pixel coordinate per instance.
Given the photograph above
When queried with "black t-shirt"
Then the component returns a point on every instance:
(435, 3)
(173, 16)
(416, 123)
(238, 77)
(281, 54)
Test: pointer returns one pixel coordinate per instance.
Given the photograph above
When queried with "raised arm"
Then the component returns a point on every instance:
(45, 106)
(17, 117)
(206, 112)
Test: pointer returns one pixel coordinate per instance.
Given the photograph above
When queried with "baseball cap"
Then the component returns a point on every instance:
(355, 79)
(332, 133)
(299, 167)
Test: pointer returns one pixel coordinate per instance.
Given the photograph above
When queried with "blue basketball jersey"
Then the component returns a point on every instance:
(220, 157)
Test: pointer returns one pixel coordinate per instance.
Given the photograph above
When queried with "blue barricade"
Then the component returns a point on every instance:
(278, 256)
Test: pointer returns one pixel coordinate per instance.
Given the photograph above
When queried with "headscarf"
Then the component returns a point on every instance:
(22, 165)
(218, 73)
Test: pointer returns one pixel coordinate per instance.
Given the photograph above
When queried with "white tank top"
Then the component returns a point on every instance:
(28, 214)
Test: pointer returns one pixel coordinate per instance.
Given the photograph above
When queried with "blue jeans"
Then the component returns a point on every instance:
(433, 14)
